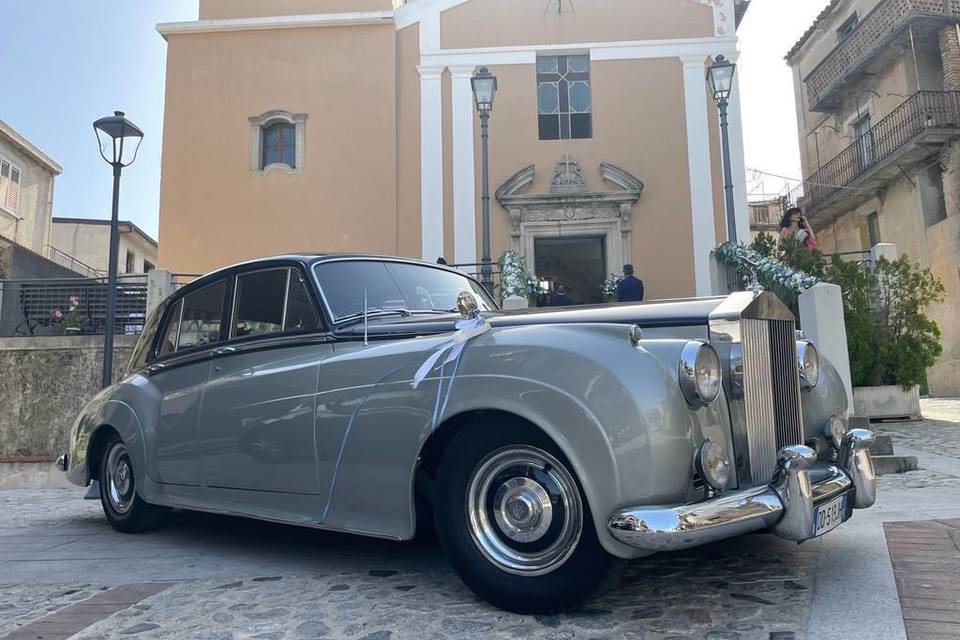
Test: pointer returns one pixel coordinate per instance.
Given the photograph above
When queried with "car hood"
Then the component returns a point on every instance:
(660, 313)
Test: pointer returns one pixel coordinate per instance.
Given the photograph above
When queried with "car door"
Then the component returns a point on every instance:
(179, 374)
(257, 418)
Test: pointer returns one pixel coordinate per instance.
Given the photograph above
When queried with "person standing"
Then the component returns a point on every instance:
(560, 297)
(794, 225)
(630, 288)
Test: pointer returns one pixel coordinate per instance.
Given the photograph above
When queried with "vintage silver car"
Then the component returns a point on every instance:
(380, 395)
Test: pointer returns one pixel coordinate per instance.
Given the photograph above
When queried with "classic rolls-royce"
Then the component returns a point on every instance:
(380, 396)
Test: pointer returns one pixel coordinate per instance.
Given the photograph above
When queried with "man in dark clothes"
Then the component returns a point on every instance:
(560, 298)
(630, 288)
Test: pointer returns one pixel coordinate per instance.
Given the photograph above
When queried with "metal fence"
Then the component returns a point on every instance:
(70, 306)
(923, 111)
(67, 261)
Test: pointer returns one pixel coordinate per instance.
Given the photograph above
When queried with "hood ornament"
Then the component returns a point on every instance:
(754, 287)
(467, 305)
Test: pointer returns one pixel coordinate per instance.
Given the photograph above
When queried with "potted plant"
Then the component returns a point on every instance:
(610, 286)
(515, 281)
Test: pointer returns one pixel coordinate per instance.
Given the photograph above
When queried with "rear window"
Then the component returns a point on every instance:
(202, 316)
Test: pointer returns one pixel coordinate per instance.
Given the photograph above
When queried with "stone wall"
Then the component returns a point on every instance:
(44, 382)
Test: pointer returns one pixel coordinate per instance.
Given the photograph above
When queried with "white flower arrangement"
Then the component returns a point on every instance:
(611, 283)
(514, 278)
(747, 261)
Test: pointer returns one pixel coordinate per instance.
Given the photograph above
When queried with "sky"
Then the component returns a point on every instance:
(74, 61)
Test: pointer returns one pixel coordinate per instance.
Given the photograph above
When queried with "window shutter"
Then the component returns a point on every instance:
(4, 181)
(13, 191)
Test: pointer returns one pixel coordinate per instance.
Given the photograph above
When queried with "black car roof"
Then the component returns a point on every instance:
(308, 259)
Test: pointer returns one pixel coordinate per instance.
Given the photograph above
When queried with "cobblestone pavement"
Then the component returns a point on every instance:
(238, 579)
(939, 433)
(331, 586)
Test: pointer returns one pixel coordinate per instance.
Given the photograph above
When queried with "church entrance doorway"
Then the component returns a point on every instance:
(578, 263)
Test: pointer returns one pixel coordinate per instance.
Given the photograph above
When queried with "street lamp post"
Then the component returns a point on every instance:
(113, 134)
(484, 86)
(720, 79)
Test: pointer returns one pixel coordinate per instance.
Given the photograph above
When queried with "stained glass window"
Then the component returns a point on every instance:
(279, 145)
(564, 100)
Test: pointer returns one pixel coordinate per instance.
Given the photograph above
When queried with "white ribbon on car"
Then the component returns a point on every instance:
(467, 329)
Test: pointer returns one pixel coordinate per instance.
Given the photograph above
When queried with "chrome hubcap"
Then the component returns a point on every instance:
(523, 510)
(119, 481)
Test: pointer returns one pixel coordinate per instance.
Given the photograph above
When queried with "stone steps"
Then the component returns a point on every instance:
(885, 461)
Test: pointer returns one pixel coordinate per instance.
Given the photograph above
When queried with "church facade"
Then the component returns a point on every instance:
(349, 126)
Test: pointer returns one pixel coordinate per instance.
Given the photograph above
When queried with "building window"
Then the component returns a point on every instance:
(564, 100)
(847, 27)
(9, 185)
(279, 145)
(865, 149)
(148, 266)
(130, 262)
(277, 142)
(873, 229)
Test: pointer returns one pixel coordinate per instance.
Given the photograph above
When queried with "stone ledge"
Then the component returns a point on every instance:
(39, 343)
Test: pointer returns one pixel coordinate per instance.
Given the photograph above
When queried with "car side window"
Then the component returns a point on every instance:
(258, 309)
(202, 316)
(301, 314)
(169, 342)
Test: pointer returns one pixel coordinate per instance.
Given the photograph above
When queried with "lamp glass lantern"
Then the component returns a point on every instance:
(720, 78)
(484, 86)
(119, 139)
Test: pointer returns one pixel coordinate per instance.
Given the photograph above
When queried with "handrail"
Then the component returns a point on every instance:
(924, 110)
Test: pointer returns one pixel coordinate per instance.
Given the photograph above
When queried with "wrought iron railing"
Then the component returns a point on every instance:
(923, 111)
(70, 306)
(870, 36)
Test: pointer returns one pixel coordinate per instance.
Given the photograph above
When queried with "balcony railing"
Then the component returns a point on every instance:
(935, 112)
(66, 260)
(872, 34)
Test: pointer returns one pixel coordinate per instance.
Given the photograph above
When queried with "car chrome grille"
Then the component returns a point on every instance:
(771, 392)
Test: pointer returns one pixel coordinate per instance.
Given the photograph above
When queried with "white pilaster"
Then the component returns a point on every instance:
(738, 164)
(431, 163)
(464, 178)
(701, 175)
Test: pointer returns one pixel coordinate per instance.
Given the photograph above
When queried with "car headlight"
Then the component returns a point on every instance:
(700, 373)
(834, 430)
(713, 464)
(809, 362)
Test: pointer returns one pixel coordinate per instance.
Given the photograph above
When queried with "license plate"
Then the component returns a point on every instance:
(829, 515)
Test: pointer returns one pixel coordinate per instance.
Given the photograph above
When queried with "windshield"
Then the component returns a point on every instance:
(392, 286)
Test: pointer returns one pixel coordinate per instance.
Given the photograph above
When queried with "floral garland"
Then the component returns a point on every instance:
(514, 279)
(768, 270)
(611, 283)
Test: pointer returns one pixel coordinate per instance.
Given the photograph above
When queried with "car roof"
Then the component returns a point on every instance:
(307, 259)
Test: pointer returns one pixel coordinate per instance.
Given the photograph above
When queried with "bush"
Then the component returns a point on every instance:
(889, 338)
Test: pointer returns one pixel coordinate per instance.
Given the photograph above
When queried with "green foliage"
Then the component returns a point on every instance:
(514, 278)
(890, 339)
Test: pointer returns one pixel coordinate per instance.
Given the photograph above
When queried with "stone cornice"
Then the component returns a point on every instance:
(276, 22)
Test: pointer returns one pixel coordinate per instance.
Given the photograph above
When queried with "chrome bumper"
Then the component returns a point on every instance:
(63, 462)
(785, 506)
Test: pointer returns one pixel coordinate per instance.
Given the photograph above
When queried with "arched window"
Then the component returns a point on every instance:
(279, 145)
(277, 142)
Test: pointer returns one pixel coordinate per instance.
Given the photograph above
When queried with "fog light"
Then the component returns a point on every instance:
(713, 464)
(835, 429)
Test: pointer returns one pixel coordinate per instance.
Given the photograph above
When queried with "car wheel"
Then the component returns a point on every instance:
(125, 510)
(512, 519)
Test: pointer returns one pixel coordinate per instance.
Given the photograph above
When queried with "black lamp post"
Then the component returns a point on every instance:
(484, 86)
(116, 136)
(720, 79)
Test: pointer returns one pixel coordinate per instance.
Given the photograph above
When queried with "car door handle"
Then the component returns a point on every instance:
(222, 351)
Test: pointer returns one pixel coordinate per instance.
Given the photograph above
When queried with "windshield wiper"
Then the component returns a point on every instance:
(372, 313)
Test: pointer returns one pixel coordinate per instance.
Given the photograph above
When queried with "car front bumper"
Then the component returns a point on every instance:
(786, 506)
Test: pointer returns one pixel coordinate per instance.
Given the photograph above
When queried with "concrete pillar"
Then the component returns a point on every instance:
(720, 273)
(159, 286)
(886, 250)
(515, 302)
(821, 316)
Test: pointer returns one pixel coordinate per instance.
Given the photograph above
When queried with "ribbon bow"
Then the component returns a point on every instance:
(467, 329)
